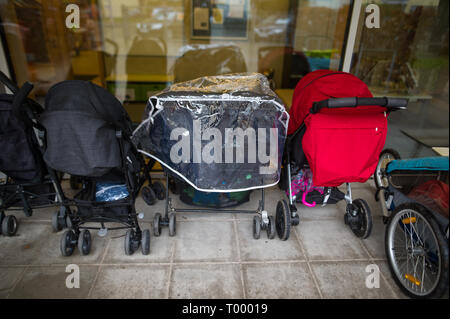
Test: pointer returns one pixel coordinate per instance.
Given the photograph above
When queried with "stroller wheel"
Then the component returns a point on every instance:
(283, 220)
(417, 252)
(68, 242)
(84, 242)
(377, 195)
(129, 245)
(148, 195)
(159, 190)
(56, 223)
(145, 242)
(256, 227)
(295, 220)
(68, 221)
(361, 223)
(157, 224)
(174, 187)
(386, 156)
(172, 224)
(9, 225)
(271, 231)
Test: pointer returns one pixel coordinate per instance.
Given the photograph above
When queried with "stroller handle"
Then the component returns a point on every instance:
(392, 104)
(19, 98)
(8, 83)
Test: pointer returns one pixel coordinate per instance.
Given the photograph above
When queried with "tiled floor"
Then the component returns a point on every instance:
(212, 256)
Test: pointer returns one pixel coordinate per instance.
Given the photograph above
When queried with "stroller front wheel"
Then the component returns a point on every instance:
(283, 220)
(160, 190)
(271, 229)
(157, 224)
(58, 222)
(148, 195)
(68, 243)
(172, 224)
(359, 218)
(9, 225)
(129, 242)
(145, 242)
(84, 242)
(256, 227)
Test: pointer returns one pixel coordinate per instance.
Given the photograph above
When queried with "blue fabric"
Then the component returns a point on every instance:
(107, 192)
(319, 63)
(419, 164)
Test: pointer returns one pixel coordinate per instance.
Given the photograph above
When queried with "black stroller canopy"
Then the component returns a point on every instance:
(88, 98)
(81, 120)
(19, 151)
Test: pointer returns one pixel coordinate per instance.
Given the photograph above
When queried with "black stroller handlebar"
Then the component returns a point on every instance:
(19, 97)
(390, 103)
(8, 83)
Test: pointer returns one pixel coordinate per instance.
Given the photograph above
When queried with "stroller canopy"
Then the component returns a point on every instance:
(219, 133)
(81, 120)
(341, 145)
(321, 85)
(20, 157)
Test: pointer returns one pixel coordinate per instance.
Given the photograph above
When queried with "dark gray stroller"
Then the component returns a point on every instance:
(28, 183)
(88, 135)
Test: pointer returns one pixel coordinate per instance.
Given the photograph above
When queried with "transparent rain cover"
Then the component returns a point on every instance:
(219, 133)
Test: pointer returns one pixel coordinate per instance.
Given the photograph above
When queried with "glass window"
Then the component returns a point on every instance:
(408, 56)
(135, 48)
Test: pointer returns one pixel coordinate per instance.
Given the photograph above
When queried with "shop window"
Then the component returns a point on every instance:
(408, 57)
(138, 47)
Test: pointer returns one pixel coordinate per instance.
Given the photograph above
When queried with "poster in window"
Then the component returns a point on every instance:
(219, 19)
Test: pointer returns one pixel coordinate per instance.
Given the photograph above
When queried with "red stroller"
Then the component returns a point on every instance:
(336, 142)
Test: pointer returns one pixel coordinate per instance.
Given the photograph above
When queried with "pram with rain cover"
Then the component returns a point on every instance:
(28, 182)
(219, 134)
(88, 135)
(337, 130)
(413, 194)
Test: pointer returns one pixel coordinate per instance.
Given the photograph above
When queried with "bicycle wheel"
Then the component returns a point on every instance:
(417, 252)
(380, 176)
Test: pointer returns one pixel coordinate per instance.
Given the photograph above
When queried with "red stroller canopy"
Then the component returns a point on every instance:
(341, 145)
(321, 85)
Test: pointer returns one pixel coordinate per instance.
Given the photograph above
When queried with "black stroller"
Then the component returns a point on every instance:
(28, 183)
(88, 135)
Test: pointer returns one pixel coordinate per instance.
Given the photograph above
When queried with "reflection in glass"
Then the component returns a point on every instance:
(408, 56)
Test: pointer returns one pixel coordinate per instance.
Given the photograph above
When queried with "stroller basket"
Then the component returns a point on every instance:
(89, 208)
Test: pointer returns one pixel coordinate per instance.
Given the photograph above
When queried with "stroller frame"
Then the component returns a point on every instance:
(261, 221)
(77, 234)
(358, 215)
(14, 193)
(76, 222)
